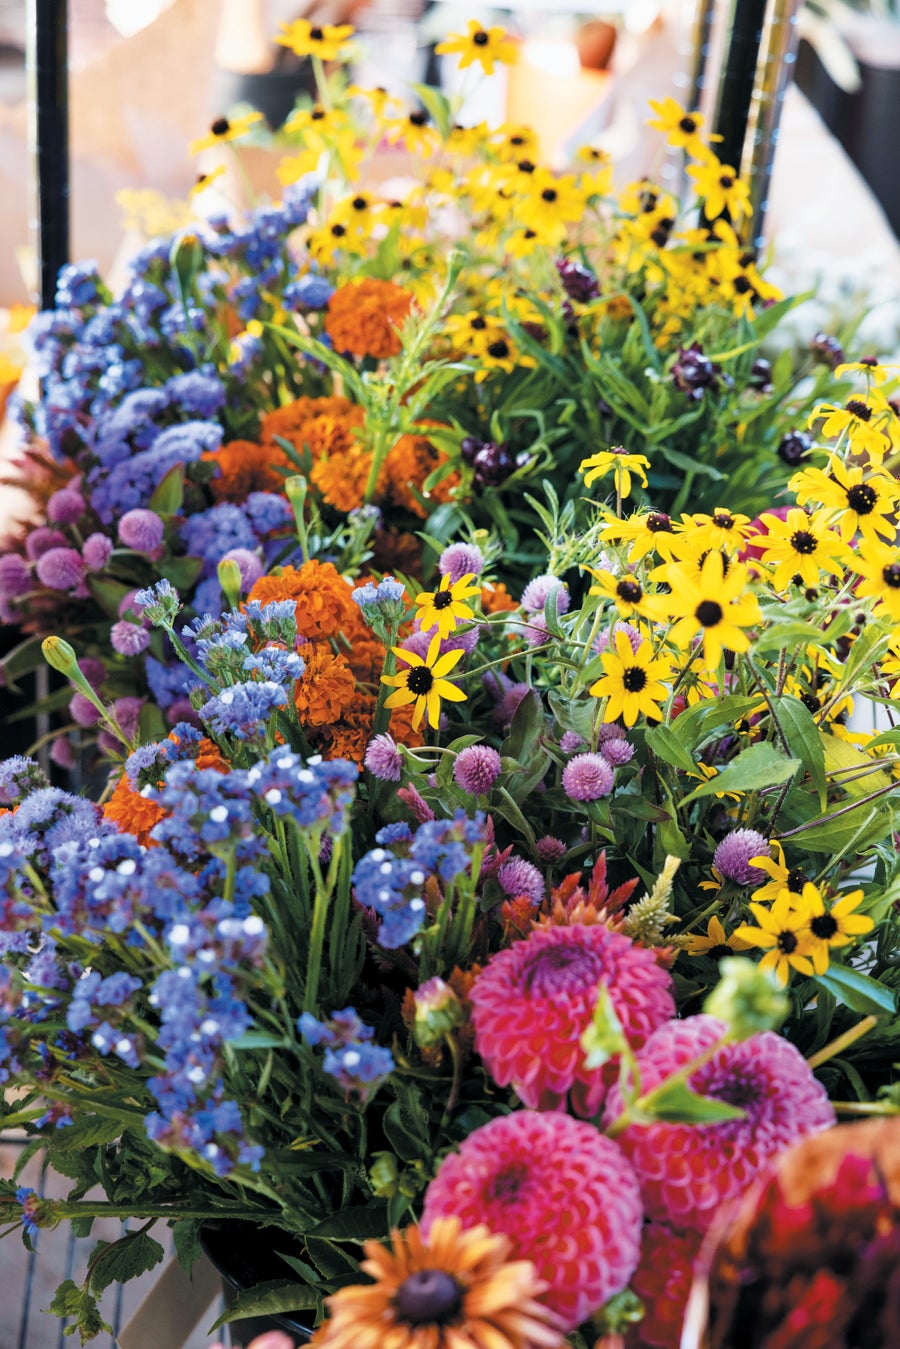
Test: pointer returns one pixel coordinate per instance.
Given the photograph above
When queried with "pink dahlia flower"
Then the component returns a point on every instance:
(663, 1281)
(564, 1195)
(533, 1002)
(688, 1171)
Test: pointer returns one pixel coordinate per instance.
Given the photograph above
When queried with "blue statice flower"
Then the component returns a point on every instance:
(315, 794)
(47, 818)
(110, 884)
(444, 847)
(272, 622)
(107, 1039)
(275, 664)
(244, 709)
(398, 832)
(210, 812)
(372, 596)
(130, 483)
(392, 886)
(167, 682)
(160, 603)
(217, 939)
(92, 992)
(78, 284)
(129, 427)
(351, 1057)
(19, 777)
(177, 320)
(308, 292)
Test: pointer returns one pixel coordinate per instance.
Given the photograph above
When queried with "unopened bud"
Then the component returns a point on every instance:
(746, 998)
(438, 1012)
(229, 574)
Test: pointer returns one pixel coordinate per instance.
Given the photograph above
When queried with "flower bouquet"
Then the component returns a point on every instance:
(494, 812)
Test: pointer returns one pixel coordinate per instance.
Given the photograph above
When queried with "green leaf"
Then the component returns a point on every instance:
(353, 1224)
(675, 1103)
(792, 632)
(804, 739)
(666, 746)
(858, 991)
(438, 107)
(186, 1235)
(182, 571)
(756, 767)
(77, 1303)
(23, 659)
(119, 1261)
(87, 1131)
(169, 495)
(268, 1299)
(108, 594)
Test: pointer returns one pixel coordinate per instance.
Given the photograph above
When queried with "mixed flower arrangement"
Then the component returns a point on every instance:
(475, 690)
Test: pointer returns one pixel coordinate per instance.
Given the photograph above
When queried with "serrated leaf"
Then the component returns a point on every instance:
(119, 1261)
(186, 1235)
(756, 767)
(675, 1103)
(792, 632)
(804, 739)
(87, 1131)
(268, 1299)
(858, 991)
(77, 1303)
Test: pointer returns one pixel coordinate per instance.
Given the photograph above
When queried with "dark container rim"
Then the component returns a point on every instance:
(234, 1249)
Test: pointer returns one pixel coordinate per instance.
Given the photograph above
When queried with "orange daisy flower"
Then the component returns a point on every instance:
(133, 813)
(457, 1291)
(364, 317)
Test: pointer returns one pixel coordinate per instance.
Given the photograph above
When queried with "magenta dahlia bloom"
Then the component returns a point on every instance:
(533, 1002)
(476, 769)
(562, 1193)
(60, 568)
(663, 1281)
(461, 559)
(732, 857)
(587, 777)
(688, 1171)
(141, 530)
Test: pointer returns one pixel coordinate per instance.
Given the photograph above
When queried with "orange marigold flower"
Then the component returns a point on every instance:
(209, 756)
(324, 604)
(364, 317)
(458, 1290)
(341, 478)
(246, 467)
(496, 599)
(321, 425)
(131, 812)
(326, 688)
(411, 461)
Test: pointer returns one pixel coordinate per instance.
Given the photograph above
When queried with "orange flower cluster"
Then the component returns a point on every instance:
(133, 813)
(364, 317)
(246, 467)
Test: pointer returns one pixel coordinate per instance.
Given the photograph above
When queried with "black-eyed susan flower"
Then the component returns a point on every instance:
(833, 925)
(625, 591)
(224, 130)
(782, 877)
(720, 188)
(632, 682)
(551, 202)
(478, 45)
(879, 567)
(864, 500)
(414, 130)
(783, 933)
(709, 604)
(446, 606)
(424, 683)
(620, 463)
(715, 945)
(205, 180)
(801, 545)
(870, 366)
(645, 532)
(681, 128)
(722, 529)
(859, 420)
(327, 41)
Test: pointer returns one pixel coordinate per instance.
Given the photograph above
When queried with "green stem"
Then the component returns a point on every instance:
(835, 814)
(843, 1042)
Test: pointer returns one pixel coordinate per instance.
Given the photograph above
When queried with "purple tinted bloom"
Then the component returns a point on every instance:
(19, 777)
(617, 751)
(476, 769)
(62, 752)
(570, 741)
(15, 578)
(392, 886)
(159, 602)
(198, 393)
(606, 640)
(461, 559)
(243, 710)
(65, 506)
(518, 877)
(578, 281)
(97, 551)
(383, 758)
(60, 568)
(141, 530)
(248, 564)
(360, 1068)
(732, 857)
(308, 292)
(550, 849)
(41, 540)
(587, 777)
(693, 372)
(128, 639)
(82, 710)
(538, 591)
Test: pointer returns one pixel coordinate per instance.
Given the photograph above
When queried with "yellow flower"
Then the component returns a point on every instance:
(801, 545)
(647, 531)
(551, 202)
(783, 933)
(879, 566)
(681, 129)
(415, 132)
(863, 502)
(482, 45)
(857, 419)
(715, 945)
(783, 876)
(625, 591)
(618, 461)
(869, 366)
(444, 608)
(713, 602)
(205, 180)
(223, 130)
(722, 530)
(326, 41)
(720, 188)
(834, 926)
(631, 682)
(424, 683)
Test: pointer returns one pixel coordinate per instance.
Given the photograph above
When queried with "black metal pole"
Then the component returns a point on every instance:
(738, 77)
(48, 33)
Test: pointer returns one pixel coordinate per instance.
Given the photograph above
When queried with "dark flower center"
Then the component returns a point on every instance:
(525, 166)
(868, 360)
(507, 1183)
(742, 285)
(419, 118)
(220, 127)
(723, 520)
(430, 1296)
(442, 599)
(726, 180)
(629, 591)
(316, 35)
(338, 231)
(360, 203)
(726, 562)
(862, 498)
(859, 409)
(787, 942)
(810, 702)
(634, 679)
(531, 234)
(499, 349)
(549, 194)
(796, 879)
(480, 38)
(719, 952)
(478, 323)
(659, 523)
(687, 125)
(891, 574)
(823, 926)
(420, 680)
(708, 613)
(802, 541)
(517, 140)
(317, 115)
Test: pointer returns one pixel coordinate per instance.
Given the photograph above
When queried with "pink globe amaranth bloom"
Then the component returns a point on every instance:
(461, 559)
(732, 857)
(248, 564)
(587, 777)
(66, 506)
(562, 1193)
(551, 849)
(518, 877)
(605, 640)
(662, 1281)
(570, 741)
(617, 751)
(60, 568)
(82, 710)
(538, 591)
(62, 752)
(97, 551)
(533, 1002)
(141, 530)
(93, 670)
(128, 639)
(15, 577)
(41, 540)
(687, 1171)
(383, 758)
(476, 769)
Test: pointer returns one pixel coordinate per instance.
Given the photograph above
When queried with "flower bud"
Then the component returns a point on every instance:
(229, 574)
(746, 998)
(383, 1175)
(438, 1012)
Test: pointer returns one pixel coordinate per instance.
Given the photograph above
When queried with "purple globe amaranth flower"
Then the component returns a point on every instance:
(97, 551)
(538, 591)
(476, 769)
(383, 758)
(551, 849)
(587, 777)
(41, 540)
(732, 857)
(62, 752)
(66, 506)
(141, 530)
(61, 569)
(15, 578)
(570, 741)
(606, 639)
(128, 639)
(617, 751)
(461, 559)
(248, 564)
(518, 877)
(578, 281)
(693, 373)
